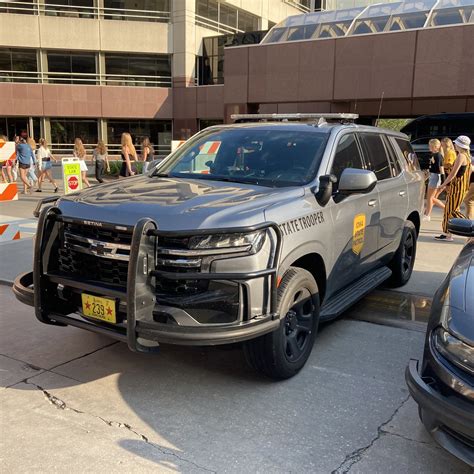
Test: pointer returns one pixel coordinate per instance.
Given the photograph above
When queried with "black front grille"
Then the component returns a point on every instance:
(104, 234)
(93, 268)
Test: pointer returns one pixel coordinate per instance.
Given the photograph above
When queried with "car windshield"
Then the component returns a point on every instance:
(266, 157)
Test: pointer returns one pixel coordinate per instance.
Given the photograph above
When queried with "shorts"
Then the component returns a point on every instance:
(47, 165)
(83, 165)
(434, 180)
(24, 166)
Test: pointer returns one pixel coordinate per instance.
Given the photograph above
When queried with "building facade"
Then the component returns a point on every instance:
(95, 68)
(167, 68)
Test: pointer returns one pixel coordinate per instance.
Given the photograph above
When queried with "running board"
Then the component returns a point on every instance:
(343, 300)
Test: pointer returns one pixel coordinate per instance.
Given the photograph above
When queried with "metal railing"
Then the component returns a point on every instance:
(76, 11)
(113, 150)
(298, 5)
(215, 25)
(131, 80)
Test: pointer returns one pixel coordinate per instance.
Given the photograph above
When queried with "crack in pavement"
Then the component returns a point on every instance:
(61, 405)
(406, 438)
(355, 456)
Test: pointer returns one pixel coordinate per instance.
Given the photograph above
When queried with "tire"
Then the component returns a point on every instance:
(404, 258)
(281, 354)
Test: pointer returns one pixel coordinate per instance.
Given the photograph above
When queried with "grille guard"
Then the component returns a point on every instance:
(140, 295)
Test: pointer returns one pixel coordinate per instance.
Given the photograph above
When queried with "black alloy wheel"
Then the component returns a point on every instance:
(298, 325)
(403, 261)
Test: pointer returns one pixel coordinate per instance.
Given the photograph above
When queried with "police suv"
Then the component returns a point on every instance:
(253, 232)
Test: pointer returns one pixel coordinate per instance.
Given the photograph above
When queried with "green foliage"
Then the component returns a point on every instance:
(393, 124)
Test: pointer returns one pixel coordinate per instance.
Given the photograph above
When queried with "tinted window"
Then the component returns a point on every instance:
(393, 157)
(264, 157)
(408, 153)
(347, 156)
(376, 155)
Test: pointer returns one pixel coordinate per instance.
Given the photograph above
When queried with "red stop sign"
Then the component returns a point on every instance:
(73, 182)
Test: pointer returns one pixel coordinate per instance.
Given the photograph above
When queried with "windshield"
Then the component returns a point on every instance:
(264, 157)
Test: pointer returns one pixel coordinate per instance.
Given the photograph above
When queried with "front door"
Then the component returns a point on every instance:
(355, 221)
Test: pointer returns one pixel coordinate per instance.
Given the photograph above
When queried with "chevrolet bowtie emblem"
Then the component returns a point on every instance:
(98, 248)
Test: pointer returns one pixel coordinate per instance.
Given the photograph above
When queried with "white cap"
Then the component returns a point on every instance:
(463, 142)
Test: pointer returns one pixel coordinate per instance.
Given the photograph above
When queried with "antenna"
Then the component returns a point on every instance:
(380, 109)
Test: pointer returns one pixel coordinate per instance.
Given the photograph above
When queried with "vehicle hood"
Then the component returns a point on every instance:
(460, 296)
(175, 203)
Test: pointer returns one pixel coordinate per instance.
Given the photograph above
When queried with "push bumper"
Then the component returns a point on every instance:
(449, 420)
(140, 331)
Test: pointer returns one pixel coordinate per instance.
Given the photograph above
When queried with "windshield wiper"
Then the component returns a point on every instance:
(160, 175)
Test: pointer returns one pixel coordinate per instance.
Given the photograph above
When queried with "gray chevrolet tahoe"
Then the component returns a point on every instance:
(253, 232)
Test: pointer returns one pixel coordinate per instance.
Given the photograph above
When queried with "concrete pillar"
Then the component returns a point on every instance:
(45, 126)
(184, 42)
(103, 130)
(101, 67)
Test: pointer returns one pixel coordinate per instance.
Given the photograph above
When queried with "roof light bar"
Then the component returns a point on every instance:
(296, 117)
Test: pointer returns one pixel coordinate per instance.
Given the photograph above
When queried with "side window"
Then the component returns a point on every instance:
(408, 154)
(376, 155)
(347, 156)
(393, 157)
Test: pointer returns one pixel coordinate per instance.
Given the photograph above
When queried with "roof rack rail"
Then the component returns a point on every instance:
(320, 117)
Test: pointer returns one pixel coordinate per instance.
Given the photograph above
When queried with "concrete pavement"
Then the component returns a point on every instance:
(78, 402)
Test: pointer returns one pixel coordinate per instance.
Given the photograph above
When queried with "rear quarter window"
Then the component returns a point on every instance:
(376, 155)
(409, 156)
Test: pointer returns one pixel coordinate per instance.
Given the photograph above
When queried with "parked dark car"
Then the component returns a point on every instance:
(443, 386)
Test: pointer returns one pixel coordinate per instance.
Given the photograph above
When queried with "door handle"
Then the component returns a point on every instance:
(372, 202)
(402, 193)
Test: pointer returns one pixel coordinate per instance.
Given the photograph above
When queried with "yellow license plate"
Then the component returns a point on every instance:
(99, 308)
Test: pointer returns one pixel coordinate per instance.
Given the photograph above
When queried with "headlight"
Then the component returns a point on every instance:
(247, 242)
(453, 349)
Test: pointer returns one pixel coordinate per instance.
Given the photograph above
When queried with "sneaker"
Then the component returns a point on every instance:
(39, 191)
(56, 189)
(426, 218)
(444, 238)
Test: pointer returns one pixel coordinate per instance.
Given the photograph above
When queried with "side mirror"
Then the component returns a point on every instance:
(356, 181)
(324, 192)
(464, 227)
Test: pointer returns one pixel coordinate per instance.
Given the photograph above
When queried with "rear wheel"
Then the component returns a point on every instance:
(282, 353)
(404, 258)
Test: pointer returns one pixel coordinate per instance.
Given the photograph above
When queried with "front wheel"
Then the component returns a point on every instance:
(404, 258)
(283, 353)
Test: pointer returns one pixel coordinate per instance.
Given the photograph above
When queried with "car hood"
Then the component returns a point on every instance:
(175, 203)
(460, 319)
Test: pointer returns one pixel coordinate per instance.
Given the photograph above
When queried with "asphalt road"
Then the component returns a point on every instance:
(74, 402)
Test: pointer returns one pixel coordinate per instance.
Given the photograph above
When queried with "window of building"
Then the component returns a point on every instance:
(65, 131)
(25, 7)
(136, 70)
(347, 156)
(70, 8)
(204, 123)
(75, 68)
(224, 17)
(140, 10)
(210, 66)
(159, 132)
(376, 155)
(18, 65)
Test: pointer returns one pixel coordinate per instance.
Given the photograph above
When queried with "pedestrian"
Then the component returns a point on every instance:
(456, 185)
(147, 153)
(7, 166)
(99, 155)
(449, 154)
(469, 199)
(436, 178)
(24, 155)
(32, 178)
(80, 152)
(129, 154)
(45, 165)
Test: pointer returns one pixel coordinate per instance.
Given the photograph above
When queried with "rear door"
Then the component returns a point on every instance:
(392, 189)
(355, 219)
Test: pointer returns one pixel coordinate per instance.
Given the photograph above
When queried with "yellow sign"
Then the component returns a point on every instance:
(358, 234)
(99, 308)
(71, 175)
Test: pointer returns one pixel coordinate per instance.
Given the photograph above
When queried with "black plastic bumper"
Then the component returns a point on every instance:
(448, 419)
(140, 330)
